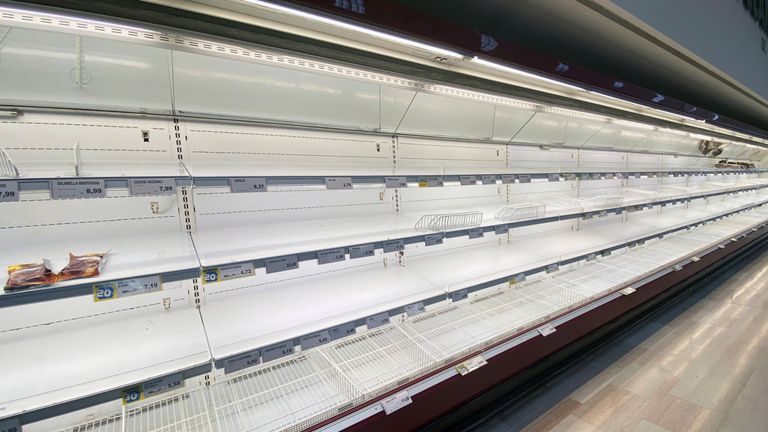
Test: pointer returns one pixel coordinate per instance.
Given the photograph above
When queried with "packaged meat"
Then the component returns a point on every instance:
(82, 266)
(21, 276)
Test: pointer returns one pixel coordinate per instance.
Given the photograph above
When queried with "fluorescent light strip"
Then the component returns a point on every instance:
(359, 29)
(524, 73)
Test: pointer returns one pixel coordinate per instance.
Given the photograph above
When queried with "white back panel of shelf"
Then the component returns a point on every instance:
(449, 157)
(448, 116)
(40, 68)
(42, 145)
(522, 158)
(207, 84)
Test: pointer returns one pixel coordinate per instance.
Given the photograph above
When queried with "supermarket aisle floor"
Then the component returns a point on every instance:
(701, 365)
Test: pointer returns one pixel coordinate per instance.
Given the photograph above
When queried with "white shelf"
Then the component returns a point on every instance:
(116, 344)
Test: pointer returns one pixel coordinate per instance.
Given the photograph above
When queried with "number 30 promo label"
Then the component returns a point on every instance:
(126, 288)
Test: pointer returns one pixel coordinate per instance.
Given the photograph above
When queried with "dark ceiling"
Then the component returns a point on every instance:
(583, 33)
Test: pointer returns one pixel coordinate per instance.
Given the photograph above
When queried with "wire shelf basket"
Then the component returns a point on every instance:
(113, 423)
(521, 211)
(290, 395)
(7, 167)
(185, 412)
(379, 360)
(446, 221)
(608, 201)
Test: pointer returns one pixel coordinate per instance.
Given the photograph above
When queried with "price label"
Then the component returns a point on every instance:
(10, 425)
(223, 273)
(152, 186)
(343, 330)
(619, 176)
(546, 330)
(315, 339)
(131, 395)
(279, 264)
(605, 253)
(471, 365)
(9, 192)
(396, 402)
(126, 288)
(395, 182)
(361, 251)
(377, 320)
(242, 361)
(394, 245)
(524, 178)
(276, 351)
(474, 233)
(68, 189)
(162, 385)
(501, 229)
(433, 239)
(468, 180)
(431, 182)
(488, 179)
(331, 256)
(638, 175)
(627, 291)
(247, 184)
(507, 178)
(552, 268)
(596, 176)
(553, 177)
(517, 279)
(591, 257)
(459, 295)
(336, 183)
(415, 309)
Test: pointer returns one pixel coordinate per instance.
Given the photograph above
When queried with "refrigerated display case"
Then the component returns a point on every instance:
(294, 243)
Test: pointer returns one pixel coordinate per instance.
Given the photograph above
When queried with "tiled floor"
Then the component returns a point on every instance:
(701, 365)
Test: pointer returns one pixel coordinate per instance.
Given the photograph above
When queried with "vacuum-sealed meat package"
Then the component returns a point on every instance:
(21, 276)
(82, 266)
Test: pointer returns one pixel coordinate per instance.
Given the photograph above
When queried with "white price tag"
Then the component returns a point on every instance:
(247, 184)
(337, 183)
(343, 330)
(233, 271)
(361, 251)
(331, 256)
(517, 279)
(471, 365)
(396, 402)
(126, 288)
(431, 182)
(315, 339)
(546, 329)
(627, 291)
(459, 295)
(474, 233)
(9, 192)
(278, 264)
(488, 179)
(81, 188)
(524, 178)
(414, 309)
(10, 425)
(395, 182)
(552, 268)
(393, 246)
(468, 180)
(501, 229)
(276, 351)
(507, 178)
(433, 239)
(377, 320)
(553, 177)
(152, 186)
(163, 384)
(242, 361)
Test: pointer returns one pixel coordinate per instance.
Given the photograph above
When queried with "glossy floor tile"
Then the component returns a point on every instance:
(699, 365)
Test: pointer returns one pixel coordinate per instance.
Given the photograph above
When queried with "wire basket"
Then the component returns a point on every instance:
(446, 221)
(609, 201)
(521, 211)
(7, 167)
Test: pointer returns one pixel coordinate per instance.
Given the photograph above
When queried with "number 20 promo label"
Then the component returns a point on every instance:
(126, 288)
